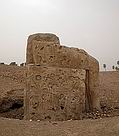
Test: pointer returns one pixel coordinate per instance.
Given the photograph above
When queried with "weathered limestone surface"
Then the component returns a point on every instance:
(44, 38)
(47, 53)
(45, 50)
(54, 93)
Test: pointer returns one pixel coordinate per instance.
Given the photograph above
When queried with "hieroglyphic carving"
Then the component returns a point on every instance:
(61, 67)
(59, 93)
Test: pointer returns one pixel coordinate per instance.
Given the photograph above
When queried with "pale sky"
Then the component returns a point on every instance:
(92, 25)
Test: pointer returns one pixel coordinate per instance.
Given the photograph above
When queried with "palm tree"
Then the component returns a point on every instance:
(118, 62)
(116, 68)
(104, 66)
(113, 67)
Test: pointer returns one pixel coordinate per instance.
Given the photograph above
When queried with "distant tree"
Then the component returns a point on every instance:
(104, 66)
(118, 62)
(116, 68)
(113, 67)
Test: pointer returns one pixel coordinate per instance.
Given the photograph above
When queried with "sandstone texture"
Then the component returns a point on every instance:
(54, 93)
(50, 38)
(45, 50)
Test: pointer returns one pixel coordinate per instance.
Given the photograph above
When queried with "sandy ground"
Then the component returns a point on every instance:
(102, 127)
(109, 92)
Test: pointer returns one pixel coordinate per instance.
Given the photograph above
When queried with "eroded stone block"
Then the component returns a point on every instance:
(54, 93)
(58, 56)
(45, 50)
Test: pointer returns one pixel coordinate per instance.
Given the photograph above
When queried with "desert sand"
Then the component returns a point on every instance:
(99, 127)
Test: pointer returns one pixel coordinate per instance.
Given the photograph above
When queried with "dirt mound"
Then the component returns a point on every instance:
(12, 84)
(109, 89)
(11, 105)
